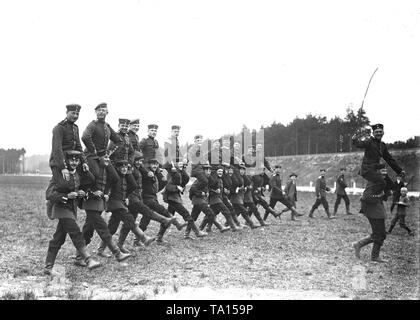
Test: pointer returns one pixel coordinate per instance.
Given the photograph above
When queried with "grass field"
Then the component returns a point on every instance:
(308, 259)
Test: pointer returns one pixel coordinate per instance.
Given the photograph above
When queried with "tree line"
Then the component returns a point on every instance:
(12, 161)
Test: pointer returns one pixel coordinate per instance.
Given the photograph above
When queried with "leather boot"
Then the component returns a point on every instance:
(390, 228)
(146, 240)
(101, 250)
(248, 220)
(375, 254)
(188, 230)
(220, 227)
(121, 239)
(79, 260)
(230, 223)
(293, 217)
(50, 260)
(296, 214)
(178, 224)
(192, 226)
(260, 220)
(266, 215)
(117, 252)
(203, 223)
(348, 210)
(159, 237)
(90, 262)
(208, 228)
(236, 221)
(311, 214)
(359, 244)
(329, 215)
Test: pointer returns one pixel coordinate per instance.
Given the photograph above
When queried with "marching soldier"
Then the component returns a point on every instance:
(126, 150)
(177, 181)
(340, 190)
(216, 203)
(227, 186)
(95, 203)
(132, 133)
(118, 206)
(321, 195)
(64, 197)
(248, 197)
(153, 183)
(290, 191)
(198, 195)
(259, 182)
(96, 138)
(277, 194)
(374, 151)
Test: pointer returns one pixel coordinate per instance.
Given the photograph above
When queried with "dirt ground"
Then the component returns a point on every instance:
(307, 259)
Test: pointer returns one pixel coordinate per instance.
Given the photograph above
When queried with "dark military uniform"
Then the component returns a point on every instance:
(402, 203)
(249, 199)
(259, 182)
(124, 152)
(134, 140)
(396, 192)
(149, 147)
(321, 196)
(374, 151)
(340, 190)
(198, 194)
(277, 195)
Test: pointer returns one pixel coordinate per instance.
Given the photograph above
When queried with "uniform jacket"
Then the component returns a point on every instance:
(397, 189)
(149, 146)
(137, 173)
(65, 137)
(237, 189)
(249, 189)
(215, 183)
(121, 191)
(374, 151)
(96, 138)
(152, 185)
(125, 151)
(290, 190)
(321, 187)
(275, 187)
(258, 182)
(401, 208)
(341, 185)
(227, 184)
(172, 193)
(59, 189)
(134, 140)
(196, 192)
(374, 209)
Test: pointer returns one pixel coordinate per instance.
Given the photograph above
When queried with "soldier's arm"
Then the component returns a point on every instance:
(142, 144)
(87, 137)
(57, 147)
(391, 161)
(116, 138)
(267, 165)
(131, 184)
(318, 188)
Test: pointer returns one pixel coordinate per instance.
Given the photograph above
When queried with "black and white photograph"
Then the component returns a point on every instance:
(189, 150)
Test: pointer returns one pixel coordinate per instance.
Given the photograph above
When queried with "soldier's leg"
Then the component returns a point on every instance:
(240, 209)
(229, 206)
(228, 216)
(254, 210)
(326, 207)
(194, 215)
(378, 236)
(272, 205)
(113, 223)
(155, 206)
(130, 222)
(403, 225)
(217, 208)
(54, 246)
(88, 230)
(314, 207)
(125, 229)
(291, 207)
(393, 223)
(347, 202)
(337, 203)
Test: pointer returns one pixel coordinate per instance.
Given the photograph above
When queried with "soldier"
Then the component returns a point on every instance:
(96, 137)
(248, 198)
(276, 194)
(340, 190)
(402, 204)
(321, 195)
(172, 152)
(136, 205)
(374, 210)
(197, 155)
(396, 190)
(153, 183)
(237, 192)
(132, 133)
(216, 203)
(149, 146)
(118, 206)
(198, 195)
(64, 196)
(177, 181)
(259, 181)
(227, 185)
(290, 191)
(126, 150)
(374, 150)
(94, 205)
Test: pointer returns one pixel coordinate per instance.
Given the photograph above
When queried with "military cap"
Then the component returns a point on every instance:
(206, 166)
(121, 162)
(152, 160)
(124, 121)
(138, 155)
(198, 136)
(175, 127)
(219, 167)
(377, 126)
(101, 105)
(73, 107)
(293, 175)
(152, 126)
(135, 121)
(72, 154)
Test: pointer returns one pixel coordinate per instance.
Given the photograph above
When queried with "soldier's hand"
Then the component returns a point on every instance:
(85, 167)
(72, 195)
(173, 169)
(180, 188)
(81, 193)
(203, 194)
(66, 174)
(126, 202)
(98, 193)
(218, 191)
(150, 174)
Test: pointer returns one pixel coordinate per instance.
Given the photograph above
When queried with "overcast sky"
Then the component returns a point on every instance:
(209, 66)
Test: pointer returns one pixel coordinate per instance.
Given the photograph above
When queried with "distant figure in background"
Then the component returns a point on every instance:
(321, 195)
(396, 190)
(402, 204)
(340, 190)
(290, 191)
